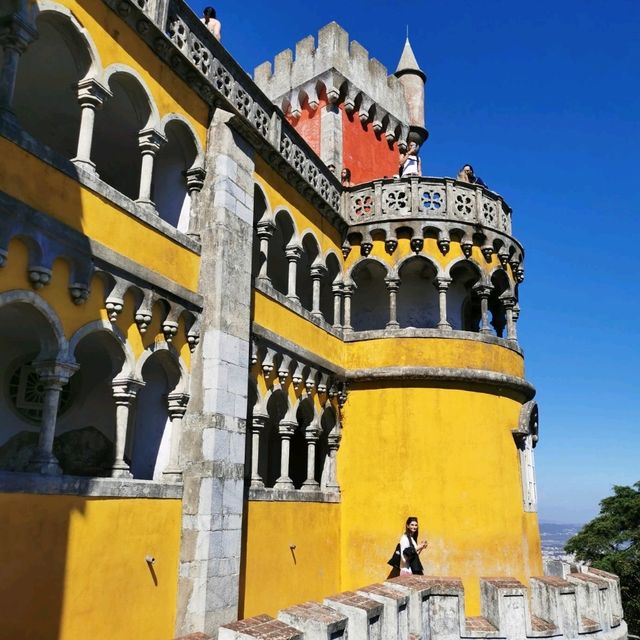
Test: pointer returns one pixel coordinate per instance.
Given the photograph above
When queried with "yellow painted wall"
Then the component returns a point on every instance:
(64, 199)
(272, 576)
(75, 567)
(448, 457)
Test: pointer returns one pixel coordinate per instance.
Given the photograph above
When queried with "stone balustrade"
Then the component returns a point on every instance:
(422, 607)
(438, 199)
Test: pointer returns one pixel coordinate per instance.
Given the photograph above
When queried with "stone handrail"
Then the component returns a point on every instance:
(442, 199)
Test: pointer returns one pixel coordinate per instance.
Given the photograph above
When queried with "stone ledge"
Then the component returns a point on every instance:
(291, 495)
(34, 483)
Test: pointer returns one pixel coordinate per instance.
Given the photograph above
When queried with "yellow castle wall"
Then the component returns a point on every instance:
(274, 577)
(82, 560)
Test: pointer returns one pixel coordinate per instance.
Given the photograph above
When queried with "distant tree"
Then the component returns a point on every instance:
(611, 542)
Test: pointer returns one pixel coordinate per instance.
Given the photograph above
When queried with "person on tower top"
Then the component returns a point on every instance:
(466, 174)
(211, 22)
(410, 162)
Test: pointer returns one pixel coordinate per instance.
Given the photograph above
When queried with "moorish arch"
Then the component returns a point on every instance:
(370, 298)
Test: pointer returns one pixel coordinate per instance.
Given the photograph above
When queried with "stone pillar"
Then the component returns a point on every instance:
(483, 292)
(213, 443)
(318, 272)
(124, 392)
(442, 284)
(53, 375)
(265, 233)
(509, 303)
(177, 406)
(16, 33)
(91, 96)
(347, 292)
(311, 436)
(331, 136)
(392, 286)
(149, 142)
(257, 427)
(336, 289)
(286, 430)
(293, 254)
(195, 181)
(331, 483)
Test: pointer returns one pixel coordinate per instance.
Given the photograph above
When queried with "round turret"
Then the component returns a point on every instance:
(413, 81)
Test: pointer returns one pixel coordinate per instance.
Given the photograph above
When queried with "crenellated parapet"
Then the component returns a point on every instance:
(434, 608)
(343, 72)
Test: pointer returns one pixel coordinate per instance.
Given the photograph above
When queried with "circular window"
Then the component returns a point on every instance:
(26, 391)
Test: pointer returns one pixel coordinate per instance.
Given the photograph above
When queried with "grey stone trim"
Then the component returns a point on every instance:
(90, 180)
(296, 350)
(357, 336)
(296, 308)
(35, 483)
(445, 375)
(193, 53)
(291, 495)
(55, 239)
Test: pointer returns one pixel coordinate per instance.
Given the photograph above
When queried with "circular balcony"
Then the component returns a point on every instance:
(439, 200)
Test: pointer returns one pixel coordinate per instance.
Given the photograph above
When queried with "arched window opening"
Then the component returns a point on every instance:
(269, 461)
(116, 150)
(417, 300)
(258, 257)
(278, 265)
(326, 288)
(463, 304)
(24, 331)
(324, 473)
(150, 444)
(500, 282)
(174, 159)
(46, 91)
(370, 303)
(299, 449)
(304, 283)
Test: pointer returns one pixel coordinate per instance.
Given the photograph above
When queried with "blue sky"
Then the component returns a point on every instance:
(543, 99)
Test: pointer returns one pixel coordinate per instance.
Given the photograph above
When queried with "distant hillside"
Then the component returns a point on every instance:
(555, 536)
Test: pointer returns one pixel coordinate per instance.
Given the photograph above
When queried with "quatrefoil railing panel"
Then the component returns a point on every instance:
(427, 198)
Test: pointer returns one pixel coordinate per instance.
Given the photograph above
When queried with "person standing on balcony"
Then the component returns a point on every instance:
(211, 22)
(466, 174)
(345, 177)
(410, 162)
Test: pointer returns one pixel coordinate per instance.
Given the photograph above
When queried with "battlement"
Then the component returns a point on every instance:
(344, 71)
(424, 607)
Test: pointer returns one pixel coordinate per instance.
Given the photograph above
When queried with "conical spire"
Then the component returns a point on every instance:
(408, 62)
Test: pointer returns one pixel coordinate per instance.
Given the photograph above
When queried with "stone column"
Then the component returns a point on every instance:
(265, 233)
(332, 475)
(509, 303)
(177, 406)
(483, 292)
(149, 142)
(311, 436)
(53, 375)
(213, 443)
(336, 289)
(91, 96)
(318, 272)
(286, 430)
(16, 33)
(124, 391)
(442, 284)
(257, 427)
(347, 292)
(293, 254)
(195, 181)
(392, 286)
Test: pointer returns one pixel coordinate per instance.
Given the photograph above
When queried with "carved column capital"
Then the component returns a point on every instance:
(258, 422)
(55, 373)
(177, 405)
(318, 271)
(442, 283)
(393, 284)
(91, 93)
(150, 141)
(293, 253)
(265, 229)
(125, 390)
(16, 32)
(287, 428)
(195, 179)
(509, 302)
(483, 290)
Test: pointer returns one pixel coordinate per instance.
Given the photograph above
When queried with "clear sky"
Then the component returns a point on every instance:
(543, 98)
